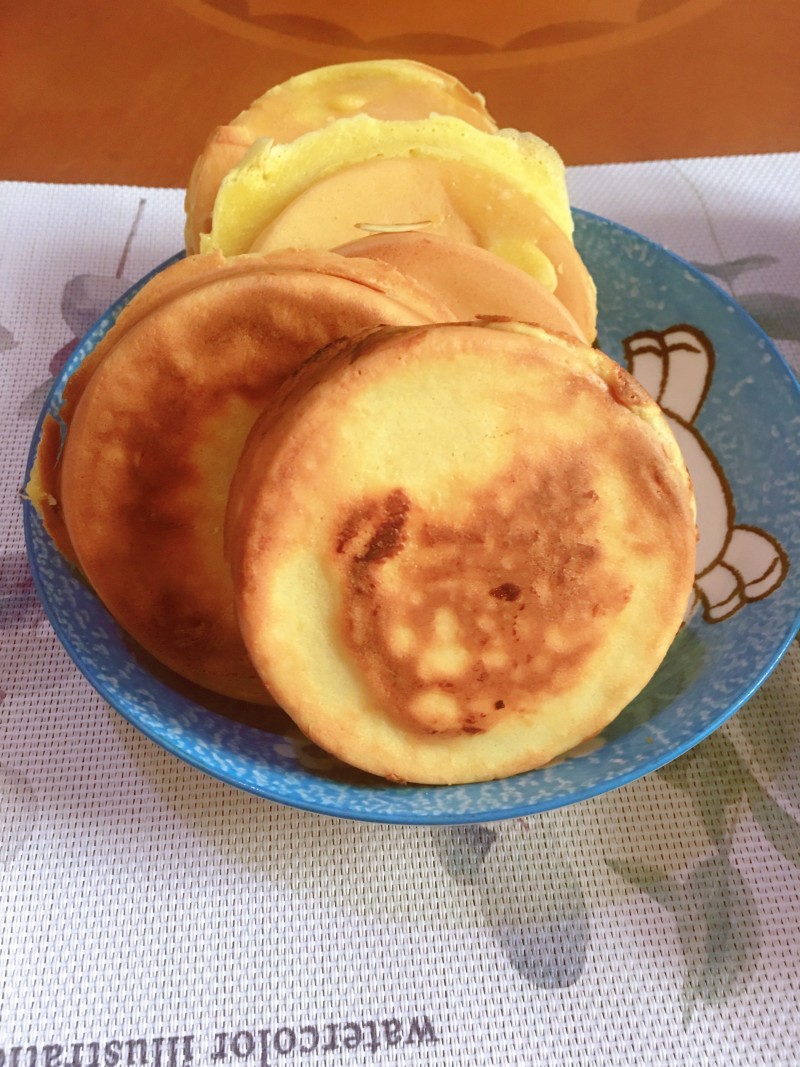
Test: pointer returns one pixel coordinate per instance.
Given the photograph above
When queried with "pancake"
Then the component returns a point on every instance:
(384, 88)
(194, 272)
(505, 192)
(459, 550)
(181, 279)
(138, 493)
(472, 281)
(271, 176)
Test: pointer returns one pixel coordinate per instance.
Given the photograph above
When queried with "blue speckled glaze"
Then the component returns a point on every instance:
(709, 673)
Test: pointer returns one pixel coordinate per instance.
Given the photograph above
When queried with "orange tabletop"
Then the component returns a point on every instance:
(99, 92)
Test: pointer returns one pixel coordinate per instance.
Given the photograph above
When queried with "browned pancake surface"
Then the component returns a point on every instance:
(158, 426)
(446, 596)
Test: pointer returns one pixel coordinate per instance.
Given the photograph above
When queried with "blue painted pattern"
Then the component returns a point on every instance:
(708, 674)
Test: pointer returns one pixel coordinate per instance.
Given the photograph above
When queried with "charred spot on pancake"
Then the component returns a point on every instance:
(378, 527)
(432, 644)
(506, 591)
(387, 540)
(471, 728)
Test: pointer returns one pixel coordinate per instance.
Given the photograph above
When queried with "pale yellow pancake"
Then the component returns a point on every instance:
(137, 496)
(460, 550)
(504, 192)
(384, 88)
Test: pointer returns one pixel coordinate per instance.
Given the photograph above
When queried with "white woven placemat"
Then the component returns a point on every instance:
(151, 915)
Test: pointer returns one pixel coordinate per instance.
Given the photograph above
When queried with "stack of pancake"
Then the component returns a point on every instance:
(356, 453)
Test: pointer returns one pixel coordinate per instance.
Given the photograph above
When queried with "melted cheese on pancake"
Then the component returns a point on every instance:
(460, 550)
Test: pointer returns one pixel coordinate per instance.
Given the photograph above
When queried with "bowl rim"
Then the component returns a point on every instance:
(489, 812)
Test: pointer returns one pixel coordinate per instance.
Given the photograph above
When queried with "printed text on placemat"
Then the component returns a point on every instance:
(261, 1047)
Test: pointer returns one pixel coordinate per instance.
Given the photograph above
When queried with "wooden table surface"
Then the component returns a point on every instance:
(102, 92)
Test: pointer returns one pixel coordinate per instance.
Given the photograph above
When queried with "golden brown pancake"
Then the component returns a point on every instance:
(472, 281)
(384, 88)
(460, 550)
(137, 497)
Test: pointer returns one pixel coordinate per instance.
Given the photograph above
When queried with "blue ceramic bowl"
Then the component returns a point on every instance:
(736, 407)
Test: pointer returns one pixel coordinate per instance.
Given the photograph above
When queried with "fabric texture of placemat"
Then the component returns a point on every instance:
(150, 915)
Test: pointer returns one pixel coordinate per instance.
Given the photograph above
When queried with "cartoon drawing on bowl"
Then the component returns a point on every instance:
(736, 562)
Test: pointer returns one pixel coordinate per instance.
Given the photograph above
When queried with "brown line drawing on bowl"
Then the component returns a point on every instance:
(737, 563)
